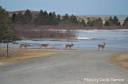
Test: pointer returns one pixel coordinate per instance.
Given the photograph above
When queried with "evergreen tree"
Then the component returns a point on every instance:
(39, 18)
(98, 22)
(73, 19)
(27, 16)
(82, 22)
(90, 22)
(125, 24)
(52, 19)
(13, 18)
(58, 17)
(112, 21)
(55, 20)
(6, 30)
(106, 23)
(109, 22)
(70, 19)
(44, 19)
(65, 19)
(19, 18)
(116, 21)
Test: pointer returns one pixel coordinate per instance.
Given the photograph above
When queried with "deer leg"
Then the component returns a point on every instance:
(98, 48)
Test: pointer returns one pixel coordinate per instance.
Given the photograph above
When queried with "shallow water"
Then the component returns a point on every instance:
(113, 38)
(117, 39)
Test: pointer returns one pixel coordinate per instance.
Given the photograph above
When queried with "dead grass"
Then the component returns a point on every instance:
(121, 59)
(20, 55)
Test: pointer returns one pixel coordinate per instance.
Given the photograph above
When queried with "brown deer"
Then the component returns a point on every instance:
(44, 45)
(69, 45)
(101, 46)
(23, 45)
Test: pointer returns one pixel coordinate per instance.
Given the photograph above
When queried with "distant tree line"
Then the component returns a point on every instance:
(112, 21)
(51, 18)
(95, 22)
(44, 18)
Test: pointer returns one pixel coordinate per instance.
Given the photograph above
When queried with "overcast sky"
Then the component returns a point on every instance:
(77, 7)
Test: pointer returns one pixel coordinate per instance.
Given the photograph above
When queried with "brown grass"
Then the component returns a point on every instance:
(121, 60)
(24, 54)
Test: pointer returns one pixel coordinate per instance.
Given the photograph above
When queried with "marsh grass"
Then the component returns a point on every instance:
(18, 55)
(121, 59)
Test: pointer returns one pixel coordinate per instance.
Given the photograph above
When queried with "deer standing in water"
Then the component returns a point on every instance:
(101, 46)
(24, 45)
(69, 45)
(44, 45)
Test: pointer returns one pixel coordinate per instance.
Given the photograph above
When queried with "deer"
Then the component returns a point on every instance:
(101, 46)
(24, 45)
(44, 45)
(69, 45)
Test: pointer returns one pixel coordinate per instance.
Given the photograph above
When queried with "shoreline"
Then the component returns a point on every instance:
(118, 57)
(21, 54)
(72, 27)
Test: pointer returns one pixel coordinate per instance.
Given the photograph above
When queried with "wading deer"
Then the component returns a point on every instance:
(44, 45)
(69, 45)
(24, 45)
(101, 46)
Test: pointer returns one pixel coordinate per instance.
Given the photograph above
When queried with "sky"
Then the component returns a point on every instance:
(76, 7)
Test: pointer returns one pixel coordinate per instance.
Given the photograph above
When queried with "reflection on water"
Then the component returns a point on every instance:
(87, 39)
